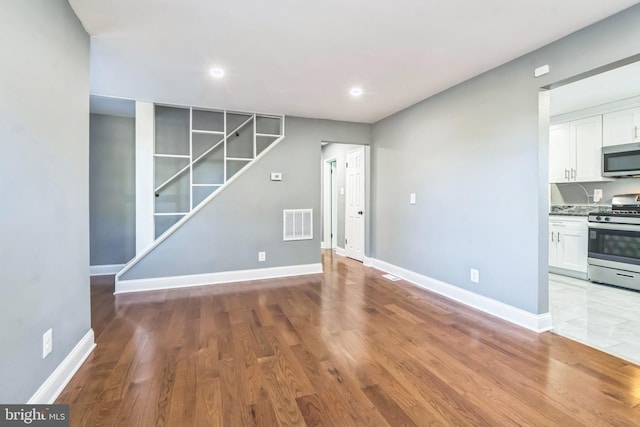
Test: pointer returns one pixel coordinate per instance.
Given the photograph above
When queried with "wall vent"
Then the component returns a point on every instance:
(297, 224)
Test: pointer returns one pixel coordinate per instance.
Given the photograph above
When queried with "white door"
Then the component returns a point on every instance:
(354, 215)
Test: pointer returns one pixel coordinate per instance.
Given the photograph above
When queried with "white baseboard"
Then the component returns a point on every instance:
(368, 262)
(322, 246)
(101, 270)
(157, 283)
(534, 322)
(341, 251)
(57, 381)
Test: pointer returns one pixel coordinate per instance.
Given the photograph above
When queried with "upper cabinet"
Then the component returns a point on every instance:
(575, 151)
(561, 153)
(621, 127)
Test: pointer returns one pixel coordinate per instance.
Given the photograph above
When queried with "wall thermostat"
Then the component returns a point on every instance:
(276, 176)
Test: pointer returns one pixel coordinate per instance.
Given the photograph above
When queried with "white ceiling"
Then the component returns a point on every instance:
(301, 57)
(614, 85)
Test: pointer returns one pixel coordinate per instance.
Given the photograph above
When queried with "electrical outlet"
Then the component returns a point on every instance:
(47, 343)
(412, 198)
(474, 275)
(262, 256)
(597, 195)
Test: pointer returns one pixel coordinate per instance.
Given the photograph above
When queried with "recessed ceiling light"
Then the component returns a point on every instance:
(217, 72)
(356, 91)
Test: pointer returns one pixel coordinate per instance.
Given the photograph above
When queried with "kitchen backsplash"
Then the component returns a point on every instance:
(573, 193)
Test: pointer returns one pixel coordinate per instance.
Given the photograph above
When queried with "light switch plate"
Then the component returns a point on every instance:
(412, 198)
(276, 176)
(47, 343)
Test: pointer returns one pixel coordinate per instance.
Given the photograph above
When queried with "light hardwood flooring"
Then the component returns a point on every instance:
(344, 348)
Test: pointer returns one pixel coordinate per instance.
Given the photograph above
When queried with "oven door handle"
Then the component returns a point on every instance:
(620, 227)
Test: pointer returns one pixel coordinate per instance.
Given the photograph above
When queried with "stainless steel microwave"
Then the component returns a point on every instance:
(621, 160)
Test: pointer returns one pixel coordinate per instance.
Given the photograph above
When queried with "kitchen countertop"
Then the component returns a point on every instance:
(577, 210)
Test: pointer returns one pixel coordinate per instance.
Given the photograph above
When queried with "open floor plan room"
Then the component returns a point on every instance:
(347, 347)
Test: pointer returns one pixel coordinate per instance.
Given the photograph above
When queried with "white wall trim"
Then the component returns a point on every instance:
(60, 377)
(145, 198)
(101, 270)
(341, 251)
(368, 261)
(534, 322)
(326, 201)
(173, 282)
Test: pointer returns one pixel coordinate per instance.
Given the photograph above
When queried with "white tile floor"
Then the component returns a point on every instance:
(603, 317)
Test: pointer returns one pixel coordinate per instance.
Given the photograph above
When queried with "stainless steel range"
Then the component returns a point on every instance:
(614, 243)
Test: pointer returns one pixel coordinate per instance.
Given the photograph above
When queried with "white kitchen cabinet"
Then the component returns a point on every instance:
(588, 137)
(621, 127)
(568, 243)
(575, 151)
(561, 152)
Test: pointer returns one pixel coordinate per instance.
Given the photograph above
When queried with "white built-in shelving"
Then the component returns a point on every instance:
(197, 151)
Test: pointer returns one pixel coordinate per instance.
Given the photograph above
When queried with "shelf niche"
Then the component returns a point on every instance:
(196, 151)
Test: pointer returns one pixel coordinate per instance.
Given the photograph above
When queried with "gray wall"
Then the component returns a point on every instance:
(44, 182)
(477, 160)
(246, 218)
(112, 189)
(573, 193)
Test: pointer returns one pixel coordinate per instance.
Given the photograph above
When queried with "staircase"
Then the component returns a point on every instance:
(197, 154)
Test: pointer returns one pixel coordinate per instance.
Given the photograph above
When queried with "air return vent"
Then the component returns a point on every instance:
(297, 224)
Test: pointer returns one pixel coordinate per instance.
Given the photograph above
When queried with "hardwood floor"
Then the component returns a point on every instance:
(344, 348)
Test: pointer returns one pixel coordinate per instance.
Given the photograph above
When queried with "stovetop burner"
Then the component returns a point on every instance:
(620, 212)
(625, 209)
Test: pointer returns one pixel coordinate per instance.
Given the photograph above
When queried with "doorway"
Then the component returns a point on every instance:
(338, 232)
(579, 113)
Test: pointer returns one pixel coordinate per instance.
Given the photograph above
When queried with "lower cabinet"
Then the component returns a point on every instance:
(568, 244)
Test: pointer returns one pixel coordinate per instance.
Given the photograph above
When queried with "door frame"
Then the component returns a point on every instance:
(330, 229)
(545, 94)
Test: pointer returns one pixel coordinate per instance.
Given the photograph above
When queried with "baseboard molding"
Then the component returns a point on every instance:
(173, 282)
(102, 270)
(57, 381)
(534, 322)
(570, 273)
(341, 251)
(368, 262)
